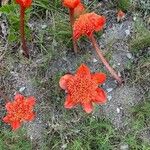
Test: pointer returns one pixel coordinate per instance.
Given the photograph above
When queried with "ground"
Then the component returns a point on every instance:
(122, 123)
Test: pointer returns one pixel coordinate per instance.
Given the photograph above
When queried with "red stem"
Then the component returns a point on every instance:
(104, 61)
(4, 96)
(71, 14)
(22, 32)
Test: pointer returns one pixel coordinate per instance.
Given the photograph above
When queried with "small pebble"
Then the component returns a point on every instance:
(127, 32)
(44, 26)
(124, 147)
(134, 18)
(118, 110)
(22, 89)
(109, 90)
(129, 55)
(95, 60)
(109, 97)
(64, 146)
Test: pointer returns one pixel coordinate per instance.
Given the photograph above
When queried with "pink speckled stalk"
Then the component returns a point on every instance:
(104, 61)
(71, 14)
(22, 32)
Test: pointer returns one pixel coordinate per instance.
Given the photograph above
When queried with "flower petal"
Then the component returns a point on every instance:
(6, 119)
(63, 81)
(101, 96)
(15, 125)
(31, 100)
(88, 107)
(69, 103)
(9, 106)
(18, 97)
(29, 117)
(83, 71)
(99, 77)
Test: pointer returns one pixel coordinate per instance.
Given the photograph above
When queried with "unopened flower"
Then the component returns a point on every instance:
(79, 9)
(82, 88)
(120, 15)
(71, 4)
(86, 24)
(19, 110)
(24, 3)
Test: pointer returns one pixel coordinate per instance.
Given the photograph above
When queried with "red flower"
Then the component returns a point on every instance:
(79, 9)
(82, 88)
(87, 23)
(24, 3)
(71, 4)
(20, 110)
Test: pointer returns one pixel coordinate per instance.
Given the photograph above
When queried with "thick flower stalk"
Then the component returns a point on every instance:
(24, 4)
(83, 88)
(19, 110)
(86, 25)
(75, 9)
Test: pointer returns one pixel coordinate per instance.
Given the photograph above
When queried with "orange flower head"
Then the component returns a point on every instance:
(120, 15)
(71, 4)
(87, 23)
(24, 3)
(20, 110)
(79, 9)
(82, 88)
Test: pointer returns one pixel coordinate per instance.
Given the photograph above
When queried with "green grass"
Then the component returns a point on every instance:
(14, 140)
(98, 133)
(141, 38)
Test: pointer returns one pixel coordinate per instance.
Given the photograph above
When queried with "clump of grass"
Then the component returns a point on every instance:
(141, 38)
(124, 5)
(140, 123)
(11, 12)
(14, 140)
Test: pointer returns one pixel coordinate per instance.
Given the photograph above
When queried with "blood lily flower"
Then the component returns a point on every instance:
(120, 15)
(73, 12)
(86, 25)
(19, 110)
(82, 88)
(24, 4)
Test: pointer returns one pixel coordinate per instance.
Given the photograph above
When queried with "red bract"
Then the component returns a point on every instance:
(87, 23)
(82, 88)
(24, 3)
(20, 110)
(71, 4)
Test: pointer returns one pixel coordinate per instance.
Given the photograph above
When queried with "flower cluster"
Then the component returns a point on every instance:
(20, 110)
(82, 88)
(87, 23)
